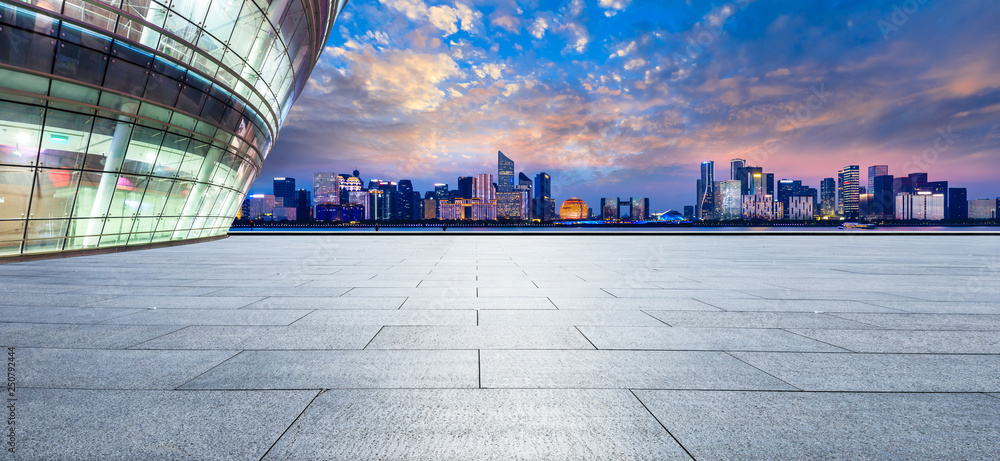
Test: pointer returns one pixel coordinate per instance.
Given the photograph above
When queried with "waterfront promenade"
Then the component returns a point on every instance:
(511, 347)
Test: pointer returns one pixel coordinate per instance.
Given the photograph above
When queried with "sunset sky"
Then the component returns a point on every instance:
(628, 97)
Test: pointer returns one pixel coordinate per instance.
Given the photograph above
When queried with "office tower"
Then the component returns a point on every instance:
(303, 205)
(418, 206)
(509, 205)
(482, 188)
(788, 188)
(981, 209)
(848, 189)
(640, 209)
(609, 208)
(705, 206)
(524, 189)
(574, 209)
(902, 185)
(441, 192)
(769, 184)
(883, 197)
(404, 200)
(284, 192)
(923, 206)
(326, 189)
(385, 202)
(543, 196)
(761, 207)
(917, 179)
(734, 168)
(465, 187)
(688, 212)
(800, 208)
(875, 171)
(958, 204)
(505, 173)
(156, 133)
(828, 194)
(430, 209)
(258, 207)
(728, 200)
(935, 188)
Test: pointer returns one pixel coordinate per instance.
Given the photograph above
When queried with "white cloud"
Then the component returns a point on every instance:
(446, 18)
(624, 50)
(538, 27)
(635, 64)
(404, 78)
(494, 71)
(508, 23)
(613, 7)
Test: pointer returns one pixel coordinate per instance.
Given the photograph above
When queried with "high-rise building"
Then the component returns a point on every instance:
(404, 200)
(935, 188)
(505, 173)
(918, 179)
(828, 197)
(574, 209)
(883, 198)
(303, 205)
(441, 192)
(788, 188)
(800, 208)
(763, 207)
(509, 205)
(466, 186)
(181, 131)
(326, 189)
(769, 184)
(982, 208)
(734, 168)
(258, 207)
(284, 192)
(958, 204)
(609, 209)
(875, 171)
(848, 188)
(544, 203)
(430, 209)
(482, 188)
(705, 205)
(525, 187)
(728, 200)
(924, 206)
(688, 212)
(640, 209)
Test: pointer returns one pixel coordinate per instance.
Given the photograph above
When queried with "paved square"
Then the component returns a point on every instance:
(511, 347)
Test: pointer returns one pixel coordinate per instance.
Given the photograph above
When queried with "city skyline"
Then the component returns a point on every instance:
(606, 96)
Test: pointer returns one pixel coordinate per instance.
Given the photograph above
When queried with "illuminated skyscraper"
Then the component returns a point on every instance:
(326, 189)
(848, 188)
(139, 122)
(544, 204)
(609, 209)
(640, 209)
(828, 197)
(465, 187)
(404, 200)
(734, 168)
(705, 205)
(482, 188)
(958, 204)
(728, 200)
(505, 173)
(524, 189)
(284, 192)
(875, 171)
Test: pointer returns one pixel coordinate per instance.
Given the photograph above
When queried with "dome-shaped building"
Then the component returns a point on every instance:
(574, 209)
(143, 122)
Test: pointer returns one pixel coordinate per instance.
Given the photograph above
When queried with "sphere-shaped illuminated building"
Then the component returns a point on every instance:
(133, 122)
(574, 209)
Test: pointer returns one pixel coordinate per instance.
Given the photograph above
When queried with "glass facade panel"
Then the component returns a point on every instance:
(149, 120)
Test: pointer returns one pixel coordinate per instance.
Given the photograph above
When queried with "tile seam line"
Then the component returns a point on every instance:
(789, 330)
(158, 336)
(766, 373)
(678, 442)
(208, 370)
(292, 424)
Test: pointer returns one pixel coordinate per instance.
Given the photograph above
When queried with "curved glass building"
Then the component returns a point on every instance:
(134, 122)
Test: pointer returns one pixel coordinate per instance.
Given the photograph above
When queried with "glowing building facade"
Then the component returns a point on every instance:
(133, 122)
(574, 209)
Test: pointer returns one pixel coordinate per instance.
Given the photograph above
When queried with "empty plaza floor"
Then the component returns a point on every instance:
(510, 347)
